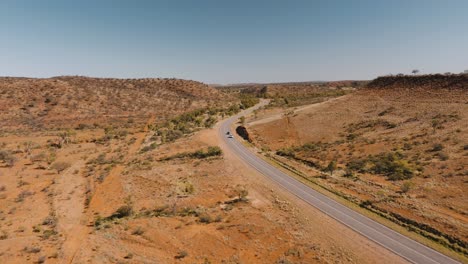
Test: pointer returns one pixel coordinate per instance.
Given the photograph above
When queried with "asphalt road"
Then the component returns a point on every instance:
(399, 244)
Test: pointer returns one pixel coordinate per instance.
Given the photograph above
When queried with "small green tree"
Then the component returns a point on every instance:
(242, 120)
(406, 186)
(331, 167)
(242, 192)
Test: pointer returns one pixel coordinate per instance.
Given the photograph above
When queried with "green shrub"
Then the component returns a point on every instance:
(138, 231)
(205, 218)
(442, 156)
(181, 254)
(123, 211)
(210, 121)
(248, 101)
(392, 165)
(199, 154)
(406, 186)
(39, 157)
(349, 174)
(286, 152)
(7, 157)
(331, 167)
(437, 147)
(149, 147)
(3, 235)
(357, 165)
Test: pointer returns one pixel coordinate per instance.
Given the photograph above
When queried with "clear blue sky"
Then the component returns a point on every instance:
(219, 41)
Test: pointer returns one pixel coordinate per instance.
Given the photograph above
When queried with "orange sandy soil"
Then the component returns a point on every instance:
(52, 220)
(423, 118)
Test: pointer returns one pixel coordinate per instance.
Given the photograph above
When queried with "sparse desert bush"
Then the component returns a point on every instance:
(32, 249)
(349, 174)
(46, 234)
(23, 194)
(406, 186)
(36, 229)
(307, 147)
(205, 218)
(331, 167)
(188, 188)
(366, 203)
(41, 259)
(248, 101)
(442, 156)
(123, 211)
(386, 111)
(189, 122)
(242, 120)
(210, 152)
(60, 166)
(149, 147)
(3, 235)
(210, 121)
(181, 254)
(81, 126)
(199, 154)
(8, 158)
(437, 147)
(391, 165)
(50, 221)
(138, 231)
(242, 193)
(286, 152)
(39, 157)
(370, 124)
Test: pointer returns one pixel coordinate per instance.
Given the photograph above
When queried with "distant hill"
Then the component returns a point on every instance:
(67, 100)
(432, 81)
(295, 93)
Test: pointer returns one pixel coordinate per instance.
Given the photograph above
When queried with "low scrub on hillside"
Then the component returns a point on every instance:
(248, 101)
(53, 102)
(392, 165)
(193, 121)
(292, 100)
(199, 154)
(309, 153)
(7, 158)
(370, 125)
(432, 81)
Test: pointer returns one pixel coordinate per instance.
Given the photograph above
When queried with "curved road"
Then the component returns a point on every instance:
(401, 245)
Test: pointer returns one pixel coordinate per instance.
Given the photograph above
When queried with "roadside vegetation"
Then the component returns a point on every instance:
(190, 122)
(294, 94)
(199, 154)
